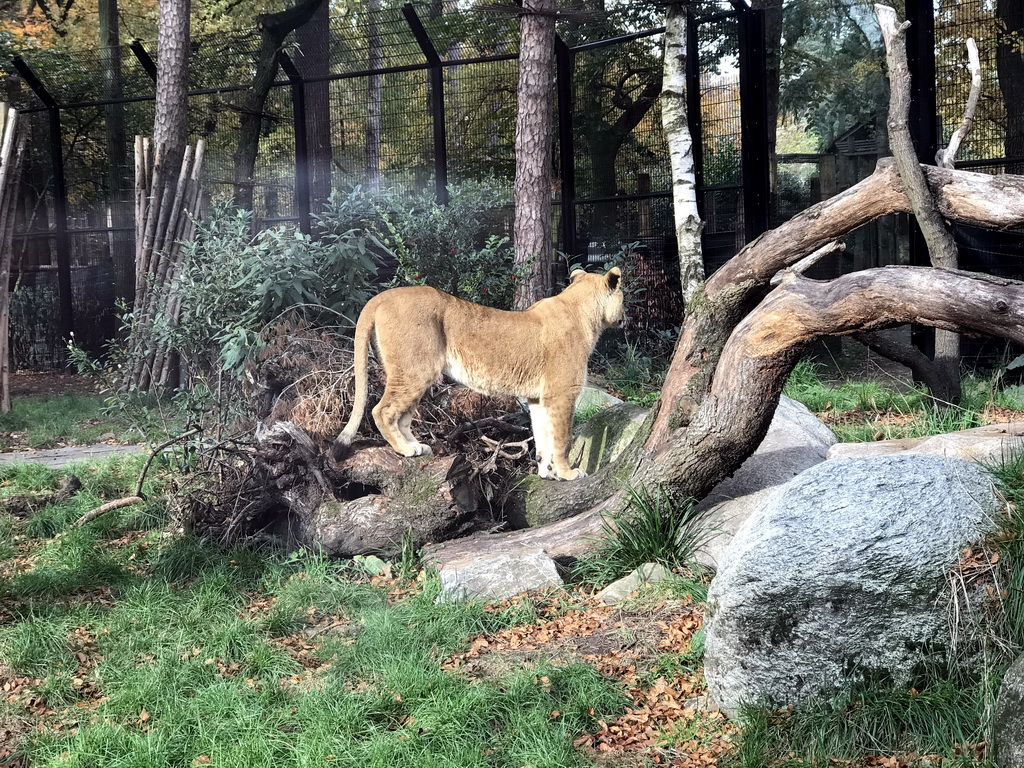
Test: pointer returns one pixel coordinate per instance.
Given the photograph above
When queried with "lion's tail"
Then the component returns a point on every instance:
(364, 327)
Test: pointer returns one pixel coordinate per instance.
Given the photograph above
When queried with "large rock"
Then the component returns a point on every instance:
(840, 575)
(604, 436)
(1009, 728)
(796, 440)
(498, 577)
(988, 445)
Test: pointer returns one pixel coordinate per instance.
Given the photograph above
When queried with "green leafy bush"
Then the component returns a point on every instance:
(233, 282)
(452, 247)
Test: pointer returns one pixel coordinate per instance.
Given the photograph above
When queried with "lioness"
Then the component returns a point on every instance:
(540, 354)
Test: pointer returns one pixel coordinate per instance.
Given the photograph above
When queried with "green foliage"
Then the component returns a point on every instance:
(234, 283)
(632, 373)
(722, 161)
(867, 720)
(452, 247)
(653, 527)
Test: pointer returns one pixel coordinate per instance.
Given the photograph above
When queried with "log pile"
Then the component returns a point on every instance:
(166, 201)
(12, 150)
(272, 480)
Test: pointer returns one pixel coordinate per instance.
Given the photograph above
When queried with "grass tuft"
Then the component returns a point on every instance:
(652, 528)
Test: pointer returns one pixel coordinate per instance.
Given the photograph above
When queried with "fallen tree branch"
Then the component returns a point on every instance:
(23, 504)
(139, 496)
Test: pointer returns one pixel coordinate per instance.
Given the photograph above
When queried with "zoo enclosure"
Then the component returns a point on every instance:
(437, 85)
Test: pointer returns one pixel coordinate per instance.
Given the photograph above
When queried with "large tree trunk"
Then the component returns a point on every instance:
(536, 98)
(170, 121)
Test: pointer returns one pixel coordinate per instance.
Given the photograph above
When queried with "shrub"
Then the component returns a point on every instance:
(452, 247)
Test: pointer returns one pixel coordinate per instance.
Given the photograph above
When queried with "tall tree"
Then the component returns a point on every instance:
(680, 147)
(534, 127)
(170, 121)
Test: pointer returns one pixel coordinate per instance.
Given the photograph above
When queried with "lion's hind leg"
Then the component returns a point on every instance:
(393, 416)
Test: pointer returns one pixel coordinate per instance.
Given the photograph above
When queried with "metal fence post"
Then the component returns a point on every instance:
(564, 61)
(62, 239)
(754, 151)
(302, 185)
(923, 129)
(437, 107)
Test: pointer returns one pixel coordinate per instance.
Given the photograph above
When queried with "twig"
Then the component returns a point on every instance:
(809, 261)
(139, 496)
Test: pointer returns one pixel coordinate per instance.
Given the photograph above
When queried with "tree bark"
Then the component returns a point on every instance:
(534, 120)
(680, 148)
(941, 247)
(982, 199)
(170, 122)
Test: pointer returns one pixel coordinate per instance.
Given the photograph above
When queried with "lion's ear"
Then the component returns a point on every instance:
(576, 274)
(614, 275)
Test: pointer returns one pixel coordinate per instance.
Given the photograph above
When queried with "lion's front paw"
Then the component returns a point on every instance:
(571, 474)
(417, 449)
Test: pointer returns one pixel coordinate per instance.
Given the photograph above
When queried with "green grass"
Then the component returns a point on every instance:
(868, 721)
(653, 528)
(251, 657)
(71, 419)
(922, 416)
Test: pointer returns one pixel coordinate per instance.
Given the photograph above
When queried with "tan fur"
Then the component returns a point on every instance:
(539, 354)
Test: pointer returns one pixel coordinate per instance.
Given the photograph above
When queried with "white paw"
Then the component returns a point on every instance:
(416, 449)
(572, 474)
(545, 471)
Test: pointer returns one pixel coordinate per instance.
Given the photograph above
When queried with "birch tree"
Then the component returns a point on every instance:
(680, 147)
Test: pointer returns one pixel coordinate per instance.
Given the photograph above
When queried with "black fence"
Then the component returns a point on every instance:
(424, 96)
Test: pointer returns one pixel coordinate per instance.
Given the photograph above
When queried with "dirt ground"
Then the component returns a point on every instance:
(38, 383)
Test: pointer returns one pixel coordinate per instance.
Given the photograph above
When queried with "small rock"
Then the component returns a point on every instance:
(648, 573)
(496, 578)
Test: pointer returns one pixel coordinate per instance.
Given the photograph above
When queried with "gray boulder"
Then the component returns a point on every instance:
(648, 573)
(988, 445)
(796, 440)
(496, 578)
(841, 575)
(1009, 728)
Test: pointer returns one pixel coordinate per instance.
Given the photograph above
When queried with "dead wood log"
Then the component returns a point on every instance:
(981, 199)
(24, 504)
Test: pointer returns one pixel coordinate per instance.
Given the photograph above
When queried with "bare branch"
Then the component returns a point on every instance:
(946, 157)
(941, 247)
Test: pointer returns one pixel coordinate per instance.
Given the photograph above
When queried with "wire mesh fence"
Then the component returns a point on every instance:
(404, 99)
